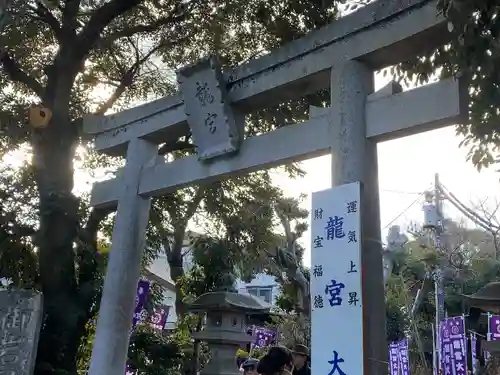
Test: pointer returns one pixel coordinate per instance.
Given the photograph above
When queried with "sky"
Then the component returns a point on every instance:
(406, 169)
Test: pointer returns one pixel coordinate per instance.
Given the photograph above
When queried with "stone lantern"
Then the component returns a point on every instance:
(225, 327)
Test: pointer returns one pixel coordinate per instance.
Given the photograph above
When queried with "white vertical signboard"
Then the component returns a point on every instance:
(337, 314)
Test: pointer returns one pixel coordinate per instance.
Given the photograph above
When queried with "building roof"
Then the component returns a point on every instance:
(157, 279)
(230, 301)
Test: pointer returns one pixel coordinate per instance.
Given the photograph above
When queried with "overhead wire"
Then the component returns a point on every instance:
(405, 210)
(420, 194)
(456, 202)
(401, 192)
(470, 214)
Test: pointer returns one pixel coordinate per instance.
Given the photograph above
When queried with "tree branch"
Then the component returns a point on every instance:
(193, 204)
(94, 220)
(178, 13)
(175, 146)
(289, 235)
(138, 29)
(127, 79)
(70, 11)
(87, 236)
(47, 17)
(15, 229)
(101, 18)
(15, 73)
(125, 82)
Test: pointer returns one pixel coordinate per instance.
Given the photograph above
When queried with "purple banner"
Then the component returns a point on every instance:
(159, 317)
(140, 299)
(404, 357)
(440, 347)
(394, 358)
(493, 331)
(262, 337)
(493, 327)
(454, 346)
(473, 351)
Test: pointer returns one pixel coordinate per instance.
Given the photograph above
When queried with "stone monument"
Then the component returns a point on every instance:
(20, 320)
(225, 328)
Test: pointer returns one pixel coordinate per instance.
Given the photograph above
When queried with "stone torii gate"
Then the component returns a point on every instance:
(342, 57)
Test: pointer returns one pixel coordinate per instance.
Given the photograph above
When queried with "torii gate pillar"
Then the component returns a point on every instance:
(354, 158)
(120, 284)
(348, 130)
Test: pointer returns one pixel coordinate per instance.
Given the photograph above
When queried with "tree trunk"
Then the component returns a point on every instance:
(196, 349)
(175, 263)
(54, 149)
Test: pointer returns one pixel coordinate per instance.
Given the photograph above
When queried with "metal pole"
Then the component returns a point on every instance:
(434, 350)
(438, 273)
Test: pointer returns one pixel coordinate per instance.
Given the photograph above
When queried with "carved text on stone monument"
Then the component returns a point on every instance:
(210, 122)
(14, 339)
(203, 94)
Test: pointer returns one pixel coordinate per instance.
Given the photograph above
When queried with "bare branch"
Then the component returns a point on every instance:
(15, 73)
(494, 227)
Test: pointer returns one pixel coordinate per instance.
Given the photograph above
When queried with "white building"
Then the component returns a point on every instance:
(263, 286)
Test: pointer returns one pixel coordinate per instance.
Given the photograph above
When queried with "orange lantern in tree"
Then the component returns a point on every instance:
(39, 117)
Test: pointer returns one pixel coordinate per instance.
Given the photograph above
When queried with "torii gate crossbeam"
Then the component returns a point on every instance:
(341, 56)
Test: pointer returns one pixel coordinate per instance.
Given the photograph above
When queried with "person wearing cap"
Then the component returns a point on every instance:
(250, 366)
(300, 355)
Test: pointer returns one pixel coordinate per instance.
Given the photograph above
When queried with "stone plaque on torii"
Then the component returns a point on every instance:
(341, 56)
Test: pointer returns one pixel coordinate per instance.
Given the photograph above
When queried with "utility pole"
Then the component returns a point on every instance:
(439, 244)
(433, 225)
(438, 272)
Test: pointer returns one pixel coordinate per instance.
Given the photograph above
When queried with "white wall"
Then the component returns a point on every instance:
(169, 300)
(261, 280)
(161, 268)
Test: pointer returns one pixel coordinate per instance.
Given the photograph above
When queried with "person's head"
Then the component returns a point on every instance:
(250, 366)
(300, 354)
(278, 360)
